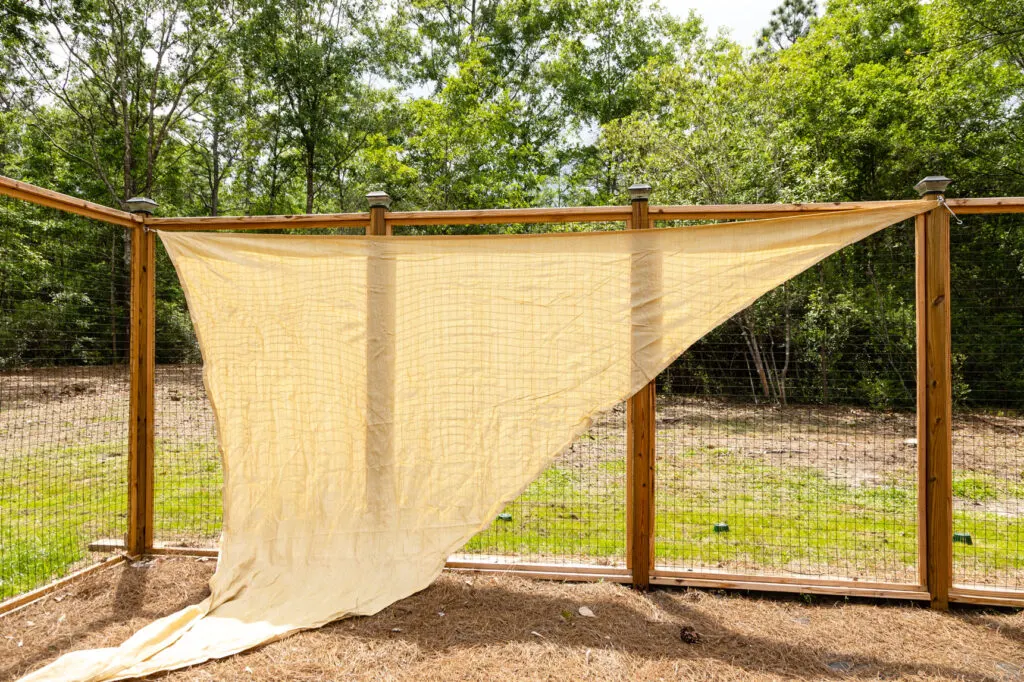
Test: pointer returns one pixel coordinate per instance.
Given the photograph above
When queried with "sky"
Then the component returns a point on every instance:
(745, 18)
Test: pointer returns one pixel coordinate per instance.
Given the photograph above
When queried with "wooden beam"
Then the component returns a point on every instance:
(141, 365)
(22, 600)
(754, 583)
(157, 549)
(934, 404)
(502, 564)
(640, 426)
(576, 577)
(788, 579)
(44, 197)
(268, 222)
(987, 205)
(987, 597)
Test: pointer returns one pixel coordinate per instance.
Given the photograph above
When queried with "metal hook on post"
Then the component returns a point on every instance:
(942, 200)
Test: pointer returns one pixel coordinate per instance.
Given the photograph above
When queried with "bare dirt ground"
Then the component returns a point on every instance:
(470, 627)
(39, 407)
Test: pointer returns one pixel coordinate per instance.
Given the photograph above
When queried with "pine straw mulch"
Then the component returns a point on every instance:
(474, 627)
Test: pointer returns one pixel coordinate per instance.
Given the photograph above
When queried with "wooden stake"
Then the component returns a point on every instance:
(934, 397)
(640, 438)
(141, 366)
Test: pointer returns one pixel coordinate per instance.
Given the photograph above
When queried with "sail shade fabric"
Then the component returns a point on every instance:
(378, 400)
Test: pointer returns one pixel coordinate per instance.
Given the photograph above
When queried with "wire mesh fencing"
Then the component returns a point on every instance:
(987, 292)
(63, 391)
(786, 437)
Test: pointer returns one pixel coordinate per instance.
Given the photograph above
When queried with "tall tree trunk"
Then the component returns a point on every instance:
(822, 357)
(755, 353)
(215, 171)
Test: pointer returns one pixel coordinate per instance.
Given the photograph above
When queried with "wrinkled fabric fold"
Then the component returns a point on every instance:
(378, 400)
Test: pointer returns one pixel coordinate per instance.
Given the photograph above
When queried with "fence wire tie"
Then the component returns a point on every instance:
(942, 200)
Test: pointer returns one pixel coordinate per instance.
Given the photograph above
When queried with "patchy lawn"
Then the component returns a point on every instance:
(804, 490)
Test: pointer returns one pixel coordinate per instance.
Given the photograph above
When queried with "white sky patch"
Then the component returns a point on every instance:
(743, 19)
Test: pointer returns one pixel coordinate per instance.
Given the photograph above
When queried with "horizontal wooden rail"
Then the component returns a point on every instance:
(788, 579)
(51, 199)
(15, 603)
(266, 222)
(987, 205)
(500, 216)
(754, 211)
(986, 597)
(757, 584)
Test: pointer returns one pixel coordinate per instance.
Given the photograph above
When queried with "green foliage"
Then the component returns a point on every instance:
(264, 107)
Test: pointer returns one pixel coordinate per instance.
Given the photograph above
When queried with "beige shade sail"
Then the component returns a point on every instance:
(380, 399)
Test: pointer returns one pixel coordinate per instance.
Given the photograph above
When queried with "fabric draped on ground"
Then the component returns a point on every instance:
(378, 400)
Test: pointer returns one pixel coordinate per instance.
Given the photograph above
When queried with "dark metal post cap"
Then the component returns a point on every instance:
(140, 205)
(639, 192)
(378, 199)
(933, 184)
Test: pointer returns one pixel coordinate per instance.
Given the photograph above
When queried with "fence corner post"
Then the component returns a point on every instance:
(640, 443)
(934, 395)
(141, 391)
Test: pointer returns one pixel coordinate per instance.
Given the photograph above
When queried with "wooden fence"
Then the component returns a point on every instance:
(934, 399)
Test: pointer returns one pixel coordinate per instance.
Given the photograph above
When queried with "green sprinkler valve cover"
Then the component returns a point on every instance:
(963, 538)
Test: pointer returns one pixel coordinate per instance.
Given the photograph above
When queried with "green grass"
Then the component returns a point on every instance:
(54, 502)
(780, 517)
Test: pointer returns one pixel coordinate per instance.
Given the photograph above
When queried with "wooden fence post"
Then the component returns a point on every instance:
(640, 442)
(380, 365)
(141, 367)
(379, 202)
(934, 396)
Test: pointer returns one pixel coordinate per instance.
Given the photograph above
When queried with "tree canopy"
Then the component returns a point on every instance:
(258, 107)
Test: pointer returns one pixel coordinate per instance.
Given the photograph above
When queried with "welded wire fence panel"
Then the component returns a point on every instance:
(187, 474)
(63, 391)
(987, 292)
(786, 437)
(574, 513)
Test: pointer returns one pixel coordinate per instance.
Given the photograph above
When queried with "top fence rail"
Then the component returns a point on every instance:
(576, 214)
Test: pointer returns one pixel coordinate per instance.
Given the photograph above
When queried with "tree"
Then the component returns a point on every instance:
(790, 21)
(318, 56)
(127, 73)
